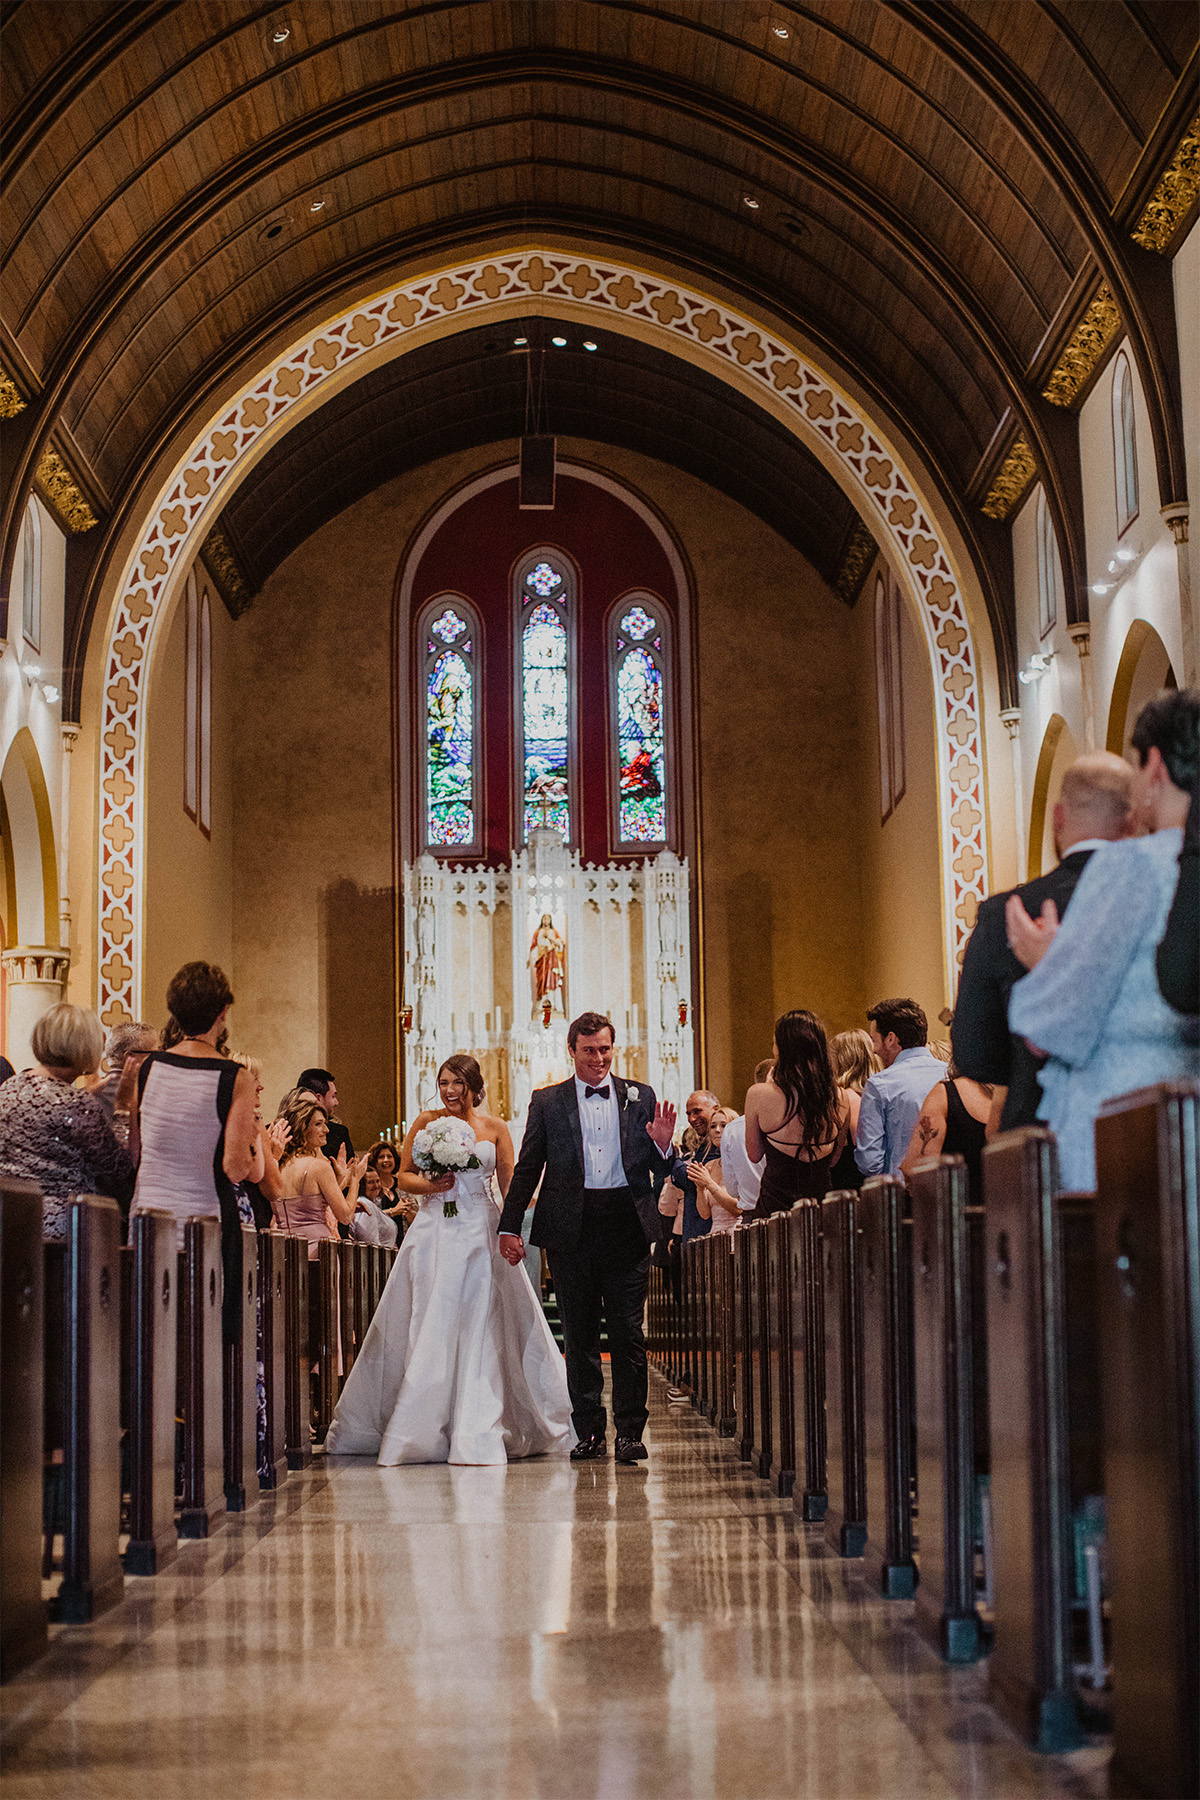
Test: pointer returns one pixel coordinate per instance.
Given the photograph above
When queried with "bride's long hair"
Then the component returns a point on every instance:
(468, 1072)
(803, 1073)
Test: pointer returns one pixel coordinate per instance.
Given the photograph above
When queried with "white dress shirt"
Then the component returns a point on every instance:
(601, 1124)
(742, 1177)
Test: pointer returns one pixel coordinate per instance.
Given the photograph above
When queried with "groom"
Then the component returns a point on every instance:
(596, 1137)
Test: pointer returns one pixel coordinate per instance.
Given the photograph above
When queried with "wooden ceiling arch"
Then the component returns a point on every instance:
(938, 190)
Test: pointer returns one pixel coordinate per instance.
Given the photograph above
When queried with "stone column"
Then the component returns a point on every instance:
(1081, 637)
(1011, 716)
(1177, 518)
(70, 733)
(35, 978)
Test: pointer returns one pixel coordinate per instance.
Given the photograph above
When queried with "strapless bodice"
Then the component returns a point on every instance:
(474, 1186)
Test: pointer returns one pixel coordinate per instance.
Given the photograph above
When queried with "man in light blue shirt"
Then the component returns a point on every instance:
(892, 1100)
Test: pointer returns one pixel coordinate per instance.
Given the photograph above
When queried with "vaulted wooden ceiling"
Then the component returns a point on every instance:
(938, 188)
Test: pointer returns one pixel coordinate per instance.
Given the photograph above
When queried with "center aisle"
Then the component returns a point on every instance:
(536, 1633)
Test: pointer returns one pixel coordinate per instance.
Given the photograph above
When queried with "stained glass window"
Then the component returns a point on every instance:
(640, 705)
(544, 593)
(451, 709)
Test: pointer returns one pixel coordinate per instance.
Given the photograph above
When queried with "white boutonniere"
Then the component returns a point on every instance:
(631, 1094)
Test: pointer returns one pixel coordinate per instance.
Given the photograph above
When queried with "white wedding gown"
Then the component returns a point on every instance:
(459, 1364)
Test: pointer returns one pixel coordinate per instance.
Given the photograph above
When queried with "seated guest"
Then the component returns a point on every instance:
(321, 1085)
(953, 1122)
(1091, 1002)
(194, 1111)
(1177, 958)
(892, 1099)
(854, 1063)
(797, 1118)
(714, 1201)
(54, 1133)
(309, 1189)
(1092, 809)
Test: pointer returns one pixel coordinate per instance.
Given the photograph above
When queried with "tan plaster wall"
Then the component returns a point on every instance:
(788, 774)
(189, 894)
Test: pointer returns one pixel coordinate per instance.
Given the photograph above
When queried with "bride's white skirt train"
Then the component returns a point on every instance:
(459, 1364)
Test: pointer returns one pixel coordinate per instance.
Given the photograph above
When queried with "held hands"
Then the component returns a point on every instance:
(512, 1248)
(1029, 939)
(662, 1126)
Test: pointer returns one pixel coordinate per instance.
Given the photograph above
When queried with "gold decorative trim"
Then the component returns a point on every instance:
(857, 558)
(1090, 339)
(226, 571)
(57, 485)
(1175, 195)
(11, 402)
(1016, 472)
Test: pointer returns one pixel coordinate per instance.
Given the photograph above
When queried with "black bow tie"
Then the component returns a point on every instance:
(603, 1093)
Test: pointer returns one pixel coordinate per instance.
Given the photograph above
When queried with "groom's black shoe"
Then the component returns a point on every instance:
(591, 1449)
(630, 1450)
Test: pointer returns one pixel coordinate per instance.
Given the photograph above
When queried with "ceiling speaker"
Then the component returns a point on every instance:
(537, 474)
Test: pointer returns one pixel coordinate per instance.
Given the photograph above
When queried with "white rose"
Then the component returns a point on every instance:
(631, 1092)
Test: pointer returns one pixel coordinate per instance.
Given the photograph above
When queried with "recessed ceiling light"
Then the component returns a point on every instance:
(588, 345)
(559, 343)
(781, 31)
(751, 203)
(316, 206)
(1099, 587)
(281, 35)
(520, 342)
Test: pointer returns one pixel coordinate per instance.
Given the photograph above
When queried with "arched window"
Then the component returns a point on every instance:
(197, 706)
(544, 600)
(1124, 444)
(1049, 568)
(31, 578)
(640, 708)
(889, 695)
(451, 646)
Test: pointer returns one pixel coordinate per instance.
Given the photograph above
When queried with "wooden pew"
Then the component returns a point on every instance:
(704, 1396)
(807, 1312)
(743, 1248)
(724, 1363)
(760, 1351)
(202, 1385)
(945, 1599)
(240, 1396)
(688, 1378)
(297, 1382)
(1148, 1258)
(779, 1352)
(324, 1315)
(846, 1515)
(92, 1576)
(153, 1333)
(22, 1609)
(272, 1332)
(1031, 1676)
(885, 1238)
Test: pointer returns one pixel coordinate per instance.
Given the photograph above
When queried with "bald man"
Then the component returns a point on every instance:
(1093, 808)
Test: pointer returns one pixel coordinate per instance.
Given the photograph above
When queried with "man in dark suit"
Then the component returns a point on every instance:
(594, 1141)
(1092, 809)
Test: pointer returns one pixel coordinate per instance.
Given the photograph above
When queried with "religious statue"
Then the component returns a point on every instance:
(547, 959)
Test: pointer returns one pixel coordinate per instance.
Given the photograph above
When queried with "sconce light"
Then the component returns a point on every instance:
(50, 691)
(1036, 667)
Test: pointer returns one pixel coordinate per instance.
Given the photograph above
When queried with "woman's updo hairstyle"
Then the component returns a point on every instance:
(468, 1072)
(197, 996)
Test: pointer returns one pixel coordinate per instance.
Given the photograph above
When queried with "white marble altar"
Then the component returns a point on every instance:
(470, 976)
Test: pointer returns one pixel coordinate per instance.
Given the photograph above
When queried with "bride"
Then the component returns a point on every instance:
(459, 1364)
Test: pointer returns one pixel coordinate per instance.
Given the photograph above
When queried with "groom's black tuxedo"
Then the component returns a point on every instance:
(553, 1144)
(597, 1241)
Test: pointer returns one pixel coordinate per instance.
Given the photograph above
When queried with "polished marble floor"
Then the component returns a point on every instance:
(542, 1632)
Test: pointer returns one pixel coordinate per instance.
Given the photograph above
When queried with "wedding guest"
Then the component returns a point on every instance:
(194, 1111)
(400, 1207)
(953, 1122)
(6, 1070)
(892, 1099)
(797, 1118)
(714, 1201)
(1177, 958)
(854, 1062)
(1093, 808)
(54, 1133)
(321, 1085)
(700, 1109)
(124, 1051)
(741, 1177)
(1091, 1002)
(310, 1190)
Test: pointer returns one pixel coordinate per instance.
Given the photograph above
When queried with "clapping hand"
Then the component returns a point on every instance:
(1029, 939)
(699, 1175)
(662, 1126)
(278, 1135)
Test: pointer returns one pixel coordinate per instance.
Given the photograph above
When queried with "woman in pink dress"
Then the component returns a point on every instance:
(310, 1188)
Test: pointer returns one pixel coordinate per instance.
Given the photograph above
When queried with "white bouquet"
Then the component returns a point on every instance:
(445, 1147)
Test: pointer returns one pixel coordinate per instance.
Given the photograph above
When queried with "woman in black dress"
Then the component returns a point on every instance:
(953, 1122)
(798, 1118)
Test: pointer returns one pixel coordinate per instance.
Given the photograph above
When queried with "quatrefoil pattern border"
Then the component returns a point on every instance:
(622, 297)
